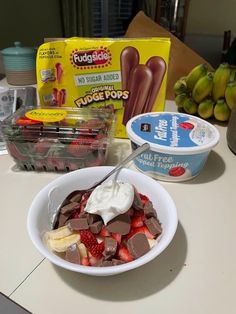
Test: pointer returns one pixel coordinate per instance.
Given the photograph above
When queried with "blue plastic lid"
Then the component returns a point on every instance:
(172, 133)
(18, 50)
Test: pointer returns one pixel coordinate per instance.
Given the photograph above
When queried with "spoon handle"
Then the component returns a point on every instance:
(133, 155)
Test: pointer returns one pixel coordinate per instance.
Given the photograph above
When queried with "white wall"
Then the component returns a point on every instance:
(206, 23)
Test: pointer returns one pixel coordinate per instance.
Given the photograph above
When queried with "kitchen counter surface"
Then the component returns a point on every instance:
(196, 274)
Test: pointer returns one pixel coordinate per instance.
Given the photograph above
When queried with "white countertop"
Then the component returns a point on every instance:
(196, 274)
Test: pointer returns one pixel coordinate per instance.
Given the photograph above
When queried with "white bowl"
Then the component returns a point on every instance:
(38, 216)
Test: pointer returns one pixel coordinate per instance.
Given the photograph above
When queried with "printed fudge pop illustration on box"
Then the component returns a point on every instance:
(128, 74)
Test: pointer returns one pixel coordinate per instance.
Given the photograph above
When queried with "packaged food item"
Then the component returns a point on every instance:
(180, 144)
(130, 74)
(56, 139)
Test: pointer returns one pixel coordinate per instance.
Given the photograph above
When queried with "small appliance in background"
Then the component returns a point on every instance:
(231, 131)
(20, 64)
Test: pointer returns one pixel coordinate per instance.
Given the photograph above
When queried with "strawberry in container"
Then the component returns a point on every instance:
(56, 139)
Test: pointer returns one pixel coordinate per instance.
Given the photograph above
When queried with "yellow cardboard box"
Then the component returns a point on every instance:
(129, 74)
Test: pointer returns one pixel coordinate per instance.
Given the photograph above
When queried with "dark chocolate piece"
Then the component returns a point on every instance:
(149, 211)
(93, 218)
(117, 262)
(158, 67)
(106, 263)
(96, 227)
(129, 58)
(62, 220)
(110, 247)
(153, 226)
(120, 224)
(138, 245)
(139, 86)
(72, 254)
(69, 207)
(77, 224)
(137, 203)
(76, 197)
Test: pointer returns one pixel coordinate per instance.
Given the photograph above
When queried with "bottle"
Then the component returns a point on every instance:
(231, 131)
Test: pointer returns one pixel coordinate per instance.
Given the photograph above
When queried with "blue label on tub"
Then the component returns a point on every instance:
(173, 130)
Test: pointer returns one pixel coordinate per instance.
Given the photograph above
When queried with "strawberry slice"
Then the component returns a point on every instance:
(104, 232)
(97, 250)
(142, 229)
(85, 261)
(116, 236)
(124, 255)
(144, 198)
(137, 221)
(88, 238)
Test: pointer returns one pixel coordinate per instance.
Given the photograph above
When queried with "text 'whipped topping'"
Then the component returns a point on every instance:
(110, 199)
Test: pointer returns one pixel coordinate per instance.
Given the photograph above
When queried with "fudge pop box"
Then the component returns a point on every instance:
(129, 74)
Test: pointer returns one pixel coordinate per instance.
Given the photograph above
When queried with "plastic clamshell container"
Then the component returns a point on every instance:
(180, 144)
(56, 139)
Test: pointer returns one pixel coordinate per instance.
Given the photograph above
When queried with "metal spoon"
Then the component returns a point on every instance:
(53, 214)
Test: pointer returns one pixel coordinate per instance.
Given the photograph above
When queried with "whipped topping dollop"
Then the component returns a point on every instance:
(110, 199)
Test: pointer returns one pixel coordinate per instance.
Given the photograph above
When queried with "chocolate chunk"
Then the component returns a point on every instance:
(69, 207)
(84, 215)
(72, 254)
(76, 197)
(138, 245)
(110, 247)
(106, 264)
(62, 220)
(120, 224)
(77, 224)
(149, 211)
(96, 227)
(153, 226)
(137, 203)
(93, 218)
(117, 262)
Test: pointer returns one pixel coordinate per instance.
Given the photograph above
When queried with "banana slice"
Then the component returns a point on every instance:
(152, 242)
(61, 245)
(82, 250)
(59, 233)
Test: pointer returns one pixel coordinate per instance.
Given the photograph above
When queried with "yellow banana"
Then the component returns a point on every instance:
(221, 111)
(190, 106)
(206, 108)
(220, 80)
(82, 250)
(195, 74)
(230, 94)
(232, 73)
(180, 86)
(203, 87)
(59, 233)
(61, 245)
(179, 100)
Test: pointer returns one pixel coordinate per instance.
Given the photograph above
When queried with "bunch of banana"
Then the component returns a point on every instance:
(207, 94)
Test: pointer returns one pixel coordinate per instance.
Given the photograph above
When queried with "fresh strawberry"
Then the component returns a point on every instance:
(42, 146)
(116, 236)
(83, 201)
(123, 254)
(137, 221)
(55, 163)
(142, 229)
(104, 232)
(88, 238)
(85, 261)
(15, 153)
(80, 146)
(144, 198)
(97, 250)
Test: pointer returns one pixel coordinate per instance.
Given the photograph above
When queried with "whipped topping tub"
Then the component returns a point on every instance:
(180, 144)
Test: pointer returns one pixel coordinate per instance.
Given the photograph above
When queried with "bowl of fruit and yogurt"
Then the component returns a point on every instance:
(122, 224)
